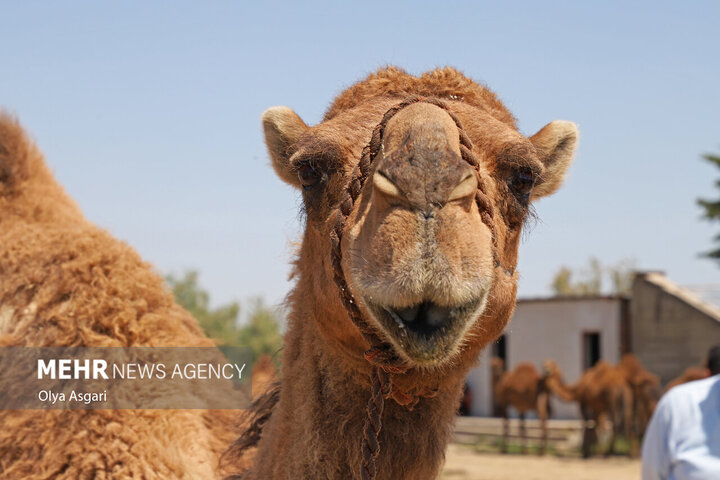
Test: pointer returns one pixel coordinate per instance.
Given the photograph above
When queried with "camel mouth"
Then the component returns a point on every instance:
(426, 333)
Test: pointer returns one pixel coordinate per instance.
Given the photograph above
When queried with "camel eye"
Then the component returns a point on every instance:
(521, 183)
(309, 177)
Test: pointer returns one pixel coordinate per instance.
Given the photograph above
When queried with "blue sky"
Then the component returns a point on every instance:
(148, 113)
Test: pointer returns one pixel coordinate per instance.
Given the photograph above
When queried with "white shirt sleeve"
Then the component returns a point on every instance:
(656, 460)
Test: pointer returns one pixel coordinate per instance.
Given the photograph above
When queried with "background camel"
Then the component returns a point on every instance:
(410, 242)
(601, 392)
(645, 387)
(65, 282)
(689, 375)
(523, 389)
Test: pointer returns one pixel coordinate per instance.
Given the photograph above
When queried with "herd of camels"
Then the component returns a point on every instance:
(415, 191)
(621, 396)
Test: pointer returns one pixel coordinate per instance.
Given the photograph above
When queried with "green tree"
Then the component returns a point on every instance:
(261, 331)
(590, 279)
(218, 323)
(711, 210)
(590, 282)
(562, 282)
(622, 275)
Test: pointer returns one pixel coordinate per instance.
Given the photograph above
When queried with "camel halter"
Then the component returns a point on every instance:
(381, 355)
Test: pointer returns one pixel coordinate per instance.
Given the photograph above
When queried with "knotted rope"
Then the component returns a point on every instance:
(381, 355)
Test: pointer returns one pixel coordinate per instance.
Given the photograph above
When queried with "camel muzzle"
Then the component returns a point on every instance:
(427, 333)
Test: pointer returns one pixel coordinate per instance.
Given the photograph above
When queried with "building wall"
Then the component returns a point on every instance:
(552, 329)
(669, 331)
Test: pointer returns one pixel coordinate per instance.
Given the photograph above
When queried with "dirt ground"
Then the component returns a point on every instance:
(463, 464)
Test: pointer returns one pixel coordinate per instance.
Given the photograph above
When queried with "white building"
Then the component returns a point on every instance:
(668, 328)
(575, 332)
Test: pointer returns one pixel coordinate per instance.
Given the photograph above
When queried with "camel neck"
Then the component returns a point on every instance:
(316, 428)
(557, 386)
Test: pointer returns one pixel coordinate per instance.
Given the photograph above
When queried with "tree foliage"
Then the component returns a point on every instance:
(711, 210)
(622, 275)
(590, 280)
(260, 332)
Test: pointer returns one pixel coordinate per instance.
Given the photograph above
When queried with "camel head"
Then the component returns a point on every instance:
(552, 375)
(551, 369)
(429, 246)
(553, 381)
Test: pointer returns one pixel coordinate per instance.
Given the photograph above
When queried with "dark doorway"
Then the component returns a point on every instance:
(591, 349)
(499, 349)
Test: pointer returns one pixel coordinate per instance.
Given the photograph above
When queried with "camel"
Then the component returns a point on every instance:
(601, 392)
(264, 388)
(523, 389)
(65, 282)
(689, 375)
(645, 387)
(415, 190)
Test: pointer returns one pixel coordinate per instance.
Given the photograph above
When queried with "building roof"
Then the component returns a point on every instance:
(709, 292)
(705, 297)
(571, 298)
(687, 295)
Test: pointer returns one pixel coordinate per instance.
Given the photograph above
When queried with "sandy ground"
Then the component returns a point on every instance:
(463, 464)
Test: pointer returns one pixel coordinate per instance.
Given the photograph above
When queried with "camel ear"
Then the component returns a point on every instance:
(555, 143)
(282, 129)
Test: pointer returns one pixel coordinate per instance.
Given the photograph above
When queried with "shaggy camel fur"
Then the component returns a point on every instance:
(523, 389)
(239, 456)
(65, 282)
(601, 392)
(431, 272)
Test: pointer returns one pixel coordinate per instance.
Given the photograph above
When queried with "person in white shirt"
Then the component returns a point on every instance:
(682, 441)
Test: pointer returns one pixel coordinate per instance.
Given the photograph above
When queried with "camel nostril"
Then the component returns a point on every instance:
(465, 188)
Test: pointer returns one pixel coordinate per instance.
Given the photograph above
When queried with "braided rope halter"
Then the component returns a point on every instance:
(381, 355)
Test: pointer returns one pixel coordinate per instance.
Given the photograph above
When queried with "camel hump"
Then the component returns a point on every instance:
(526, 367)
(19, 158)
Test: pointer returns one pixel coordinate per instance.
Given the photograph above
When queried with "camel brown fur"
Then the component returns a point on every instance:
(417, 257)
(689, 375)
(65, 282)
(601, 392)
(645, 387)
(265, 390)
(523, 389)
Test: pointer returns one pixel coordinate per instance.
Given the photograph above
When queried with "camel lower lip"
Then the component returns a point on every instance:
(426, 332)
